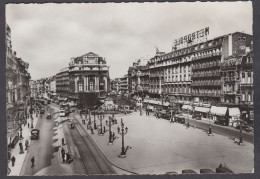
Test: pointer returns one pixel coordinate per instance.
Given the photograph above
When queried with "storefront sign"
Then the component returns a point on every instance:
(193, 38)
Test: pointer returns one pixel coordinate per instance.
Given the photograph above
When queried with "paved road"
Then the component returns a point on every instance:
(41, 149)
(88, 159)
(223, 130)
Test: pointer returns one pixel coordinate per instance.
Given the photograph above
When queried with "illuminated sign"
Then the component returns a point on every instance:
(193, 38)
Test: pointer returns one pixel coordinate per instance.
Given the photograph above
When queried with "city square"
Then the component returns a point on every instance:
(78, 105)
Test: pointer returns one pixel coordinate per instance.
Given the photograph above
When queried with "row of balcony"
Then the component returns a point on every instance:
(206, 74)
(206, 83)
(207, 56)
(207, 94)
(206, 65)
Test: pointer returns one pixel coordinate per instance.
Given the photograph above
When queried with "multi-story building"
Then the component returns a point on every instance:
(86, 74)
(33, 89)
(63, 83)
(52, 87)
(17, 88)
(123, 84)
(115, 85)
(138, 77)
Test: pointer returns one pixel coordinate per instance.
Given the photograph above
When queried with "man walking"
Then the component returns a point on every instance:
(63, 154)
(13, 161)
(33, 161)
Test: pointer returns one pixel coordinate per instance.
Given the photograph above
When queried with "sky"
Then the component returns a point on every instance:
(48, 35)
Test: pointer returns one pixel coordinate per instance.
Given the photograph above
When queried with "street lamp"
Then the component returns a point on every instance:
(209, 117)
(240, 133)
(101, 132)
(123, 133)
(171, 109)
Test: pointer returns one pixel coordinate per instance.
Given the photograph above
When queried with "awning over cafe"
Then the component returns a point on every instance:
(202, 109)
(234, 112)
(188, 107)
(220, 111)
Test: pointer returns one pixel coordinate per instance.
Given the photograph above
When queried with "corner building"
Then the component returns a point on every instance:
(194, 76)
(86, 74)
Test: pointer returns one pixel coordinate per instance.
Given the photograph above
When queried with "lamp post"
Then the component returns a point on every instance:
(209, 117)
(171, 108)
(101, 132)
(123, 132)
(240, 133)
(110, 141)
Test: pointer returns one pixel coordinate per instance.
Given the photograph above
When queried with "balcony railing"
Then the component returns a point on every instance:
(206, 74)
(207, 94)
(207, 83)
(207, 56)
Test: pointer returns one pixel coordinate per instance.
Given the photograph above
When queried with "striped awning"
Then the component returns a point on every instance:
(202, 109)
(188, 107)
(220, 111)
(234, 112)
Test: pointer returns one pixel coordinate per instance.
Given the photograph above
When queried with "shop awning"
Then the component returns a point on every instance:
(188, 107)
(166, 104)
(202, 109)
(220, 111)
(234, 112)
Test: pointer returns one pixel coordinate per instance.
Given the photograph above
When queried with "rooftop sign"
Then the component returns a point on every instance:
(192, 39)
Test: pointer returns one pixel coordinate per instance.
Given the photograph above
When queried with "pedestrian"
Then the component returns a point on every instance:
(68, 160)
(113, 136)
(33, 161)
(13, 161)
(28, 125)
(118, 129)
(62, 141)
(63, 154)
(104, 128)
(26, 144)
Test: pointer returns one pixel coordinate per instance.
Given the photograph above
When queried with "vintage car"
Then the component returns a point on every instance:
(223, 169)
(35, 134)
(48, 116)
(206, 170)
(188, 171)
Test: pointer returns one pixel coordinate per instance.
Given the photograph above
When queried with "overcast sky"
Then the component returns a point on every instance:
(48, 35)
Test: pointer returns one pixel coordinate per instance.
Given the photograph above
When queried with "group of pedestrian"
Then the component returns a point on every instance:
(65, 155)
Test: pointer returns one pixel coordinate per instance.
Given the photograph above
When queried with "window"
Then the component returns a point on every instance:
(243, 77)
(249, 77)
(239, 38)
(244, 38)
(91, 86)
(80, 87)
(243, 96)
(249, 97)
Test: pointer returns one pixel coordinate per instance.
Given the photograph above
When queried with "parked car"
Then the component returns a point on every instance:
(42, 111)
(62, 113)
(35, 134)
(206, 170)
(180, 119)
(223, 169)
(48, 116)
(188, 171)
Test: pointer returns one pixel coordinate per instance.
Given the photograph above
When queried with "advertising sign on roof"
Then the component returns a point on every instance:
(192, 39)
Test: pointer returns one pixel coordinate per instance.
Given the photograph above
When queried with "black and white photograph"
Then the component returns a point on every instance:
(153, 88)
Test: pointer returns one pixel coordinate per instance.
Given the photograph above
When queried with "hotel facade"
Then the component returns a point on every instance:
(209, 77)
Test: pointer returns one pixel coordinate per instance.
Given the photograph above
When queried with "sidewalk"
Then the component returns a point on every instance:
(26, 133)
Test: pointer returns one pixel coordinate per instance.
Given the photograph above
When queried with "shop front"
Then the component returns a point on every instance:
(219, 115)
(234, 115)
(201, 113)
